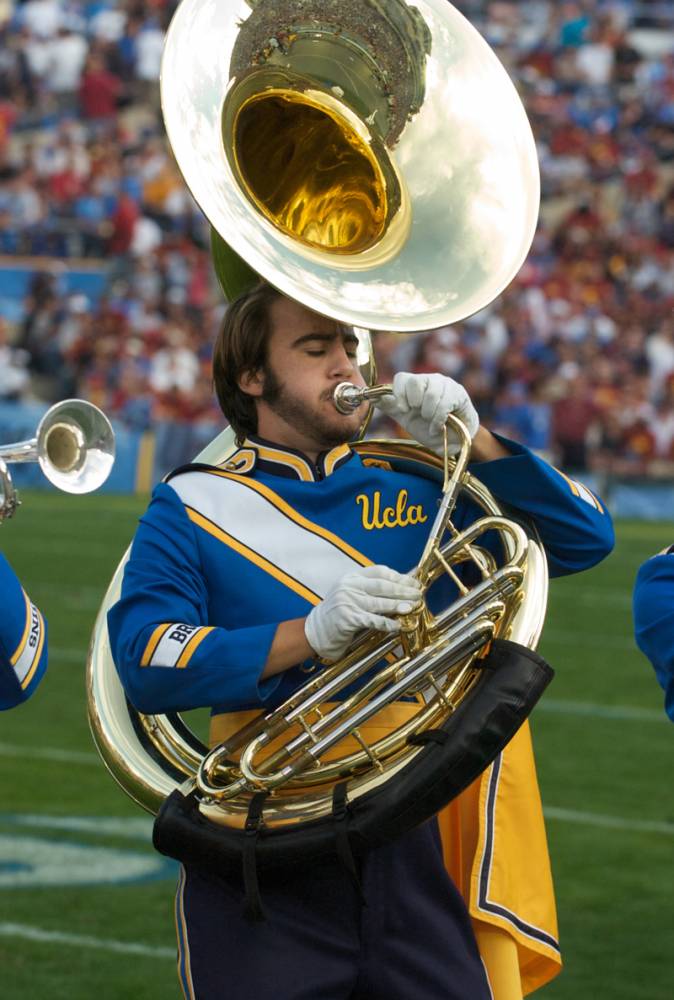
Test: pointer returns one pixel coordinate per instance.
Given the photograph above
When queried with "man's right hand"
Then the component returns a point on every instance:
(421, 405)
(364, 599)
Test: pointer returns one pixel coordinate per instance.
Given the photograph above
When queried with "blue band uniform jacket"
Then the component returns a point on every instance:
(23, 646)
(653, 612)
(223, 555)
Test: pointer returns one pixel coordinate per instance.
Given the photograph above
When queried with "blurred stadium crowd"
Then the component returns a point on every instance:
(575, 359)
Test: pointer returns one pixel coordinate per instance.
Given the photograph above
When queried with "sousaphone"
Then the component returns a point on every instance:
(373, 161)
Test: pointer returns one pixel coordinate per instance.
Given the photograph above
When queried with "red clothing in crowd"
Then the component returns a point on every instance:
(65, 186)
(123, 222)
(99, 91)
(572, 417)
(8, 115)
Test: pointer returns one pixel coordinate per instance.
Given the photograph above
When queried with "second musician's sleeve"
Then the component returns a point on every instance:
(653, 604)
(167, 655)
(573, 523)
(23, 641)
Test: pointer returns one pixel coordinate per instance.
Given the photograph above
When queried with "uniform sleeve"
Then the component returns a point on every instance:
(23, 641)
(168, 656)
(653, 604)
(574, 525)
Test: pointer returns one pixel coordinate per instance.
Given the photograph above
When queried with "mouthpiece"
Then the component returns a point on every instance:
(348, 397)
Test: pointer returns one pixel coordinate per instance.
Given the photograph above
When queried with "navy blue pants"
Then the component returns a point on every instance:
(411, 941)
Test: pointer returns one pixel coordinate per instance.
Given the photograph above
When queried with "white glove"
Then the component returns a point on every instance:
(361, 600)
(420, 404)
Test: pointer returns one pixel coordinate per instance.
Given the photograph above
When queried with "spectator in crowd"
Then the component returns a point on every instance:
(14, 375)
(99, 91)
(65, 59)
(573, 418)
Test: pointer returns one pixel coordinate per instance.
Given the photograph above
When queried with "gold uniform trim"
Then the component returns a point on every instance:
(184, 958)
(36, 659)
(569, 482)
(154, 641)
(574, 487)
(24, 638)
(241, 462)
(191, 646)
(301, 467)
(335, 456)
(378, 463)
(251, 555)
(293, 515)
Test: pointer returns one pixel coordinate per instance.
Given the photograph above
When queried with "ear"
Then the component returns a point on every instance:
(252, 382)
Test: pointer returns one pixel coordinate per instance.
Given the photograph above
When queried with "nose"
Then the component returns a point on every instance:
(342, 364)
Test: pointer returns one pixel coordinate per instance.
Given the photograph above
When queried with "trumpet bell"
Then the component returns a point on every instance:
(75, 446)
(373, 161)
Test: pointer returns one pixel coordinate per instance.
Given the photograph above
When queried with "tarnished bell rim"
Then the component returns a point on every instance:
(152, 755)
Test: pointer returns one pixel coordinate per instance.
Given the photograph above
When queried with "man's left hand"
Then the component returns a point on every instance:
(421, 403)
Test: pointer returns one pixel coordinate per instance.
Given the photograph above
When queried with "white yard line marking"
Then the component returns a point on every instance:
(581, 639)
(80, 941)
(591, 598)
(132, 828)
(50, 753)
(620, 712)
(608, 822)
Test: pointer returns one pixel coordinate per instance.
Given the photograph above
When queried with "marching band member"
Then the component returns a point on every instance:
(654, 619)
(23, 641)
(243, 577)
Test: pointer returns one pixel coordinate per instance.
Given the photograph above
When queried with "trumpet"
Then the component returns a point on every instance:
(74, 445)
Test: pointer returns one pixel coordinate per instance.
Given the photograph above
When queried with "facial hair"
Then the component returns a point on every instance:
(300, 414)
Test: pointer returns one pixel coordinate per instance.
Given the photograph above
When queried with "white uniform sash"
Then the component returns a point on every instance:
(260, 525)
(27, 654)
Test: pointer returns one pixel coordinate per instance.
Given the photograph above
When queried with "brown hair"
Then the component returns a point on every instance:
(240, 347)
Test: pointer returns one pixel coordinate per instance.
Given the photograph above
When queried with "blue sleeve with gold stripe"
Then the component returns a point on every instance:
(654, 620)
(573, 523)
(169, 657)
(23, 641)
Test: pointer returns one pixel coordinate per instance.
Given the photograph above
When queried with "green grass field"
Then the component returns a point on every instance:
(86, 905)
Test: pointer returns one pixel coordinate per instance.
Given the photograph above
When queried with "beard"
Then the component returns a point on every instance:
(302, 415)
